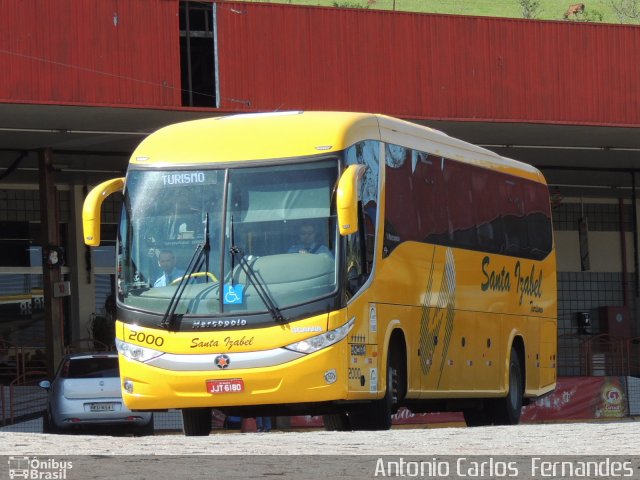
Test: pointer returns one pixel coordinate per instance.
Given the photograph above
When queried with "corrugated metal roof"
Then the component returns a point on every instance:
(284, 57)
(90, 52)
(427, 66)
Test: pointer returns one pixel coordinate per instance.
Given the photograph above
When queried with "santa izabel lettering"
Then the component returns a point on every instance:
(499, 280)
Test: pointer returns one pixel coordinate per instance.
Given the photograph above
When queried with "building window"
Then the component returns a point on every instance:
(197, 54)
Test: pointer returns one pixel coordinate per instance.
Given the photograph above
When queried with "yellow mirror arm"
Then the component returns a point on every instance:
(92, 206)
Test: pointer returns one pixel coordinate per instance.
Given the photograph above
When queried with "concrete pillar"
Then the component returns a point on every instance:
(80, 260)
(53, 307)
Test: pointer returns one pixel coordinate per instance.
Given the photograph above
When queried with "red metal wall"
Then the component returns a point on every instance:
(427, 66)
(116, 52)
(126, 53)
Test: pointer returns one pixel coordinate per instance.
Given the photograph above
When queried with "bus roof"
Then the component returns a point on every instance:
(278, 135)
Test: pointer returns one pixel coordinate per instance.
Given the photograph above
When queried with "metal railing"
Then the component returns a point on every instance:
(22, 399)
(598, 355)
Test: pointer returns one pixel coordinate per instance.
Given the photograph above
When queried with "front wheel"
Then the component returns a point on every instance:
(336, 422)
(196, 422)
(377, 414)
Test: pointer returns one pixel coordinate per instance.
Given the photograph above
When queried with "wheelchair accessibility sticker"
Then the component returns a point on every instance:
(233, 294)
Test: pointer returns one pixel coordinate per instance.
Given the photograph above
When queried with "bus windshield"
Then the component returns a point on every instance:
(272, 234)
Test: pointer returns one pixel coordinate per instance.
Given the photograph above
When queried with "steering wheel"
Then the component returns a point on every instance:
(195, 275)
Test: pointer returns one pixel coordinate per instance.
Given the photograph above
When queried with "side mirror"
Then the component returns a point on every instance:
(92, 206)
(46, 384)
(347, 199)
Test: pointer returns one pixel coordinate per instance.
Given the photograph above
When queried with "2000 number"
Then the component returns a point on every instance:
(148, 339)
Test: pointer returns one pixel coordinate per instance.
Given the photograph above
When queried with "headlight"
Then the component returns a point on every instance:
(136, 352)
(323, 340)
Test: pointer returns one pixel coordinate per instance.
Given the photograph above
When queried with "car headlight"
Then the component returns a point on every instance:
(323, 340)
(136, 352)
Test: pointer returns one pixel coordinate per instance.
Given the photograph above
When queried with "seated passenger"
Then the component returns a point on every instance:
(308, 242)
(167, 262)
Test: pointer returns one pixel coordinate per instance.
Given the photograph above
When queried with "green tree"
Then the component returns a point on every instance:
(627, 11)
(349, 5)
(529, 8)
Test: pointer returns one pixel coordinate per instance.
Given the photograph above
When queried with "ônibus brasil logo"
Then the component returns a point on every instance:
(36, 468)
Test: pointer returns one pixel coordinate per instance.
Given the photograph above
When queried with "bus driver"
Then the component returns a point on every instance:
(308, 242)
(167, 262)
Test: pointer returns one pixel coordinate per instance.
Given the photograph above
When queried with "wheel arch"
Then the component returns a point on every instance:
(396, 344)
(518, 344)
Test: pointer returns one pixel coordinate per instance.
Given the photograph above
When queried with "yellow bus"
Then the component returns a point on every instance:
(335, 264)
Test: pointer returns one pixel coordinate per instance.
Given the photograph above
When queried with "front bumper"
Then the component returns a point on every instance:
(317, 377)
(77, 412)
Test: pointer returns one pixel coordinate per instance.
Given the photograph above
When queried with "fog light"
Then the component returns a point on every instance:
(128, 386)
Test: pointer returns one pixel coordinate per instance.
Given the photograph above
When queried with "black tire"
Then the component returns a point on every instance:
(48, 425)
(337, 422)
(506, 411)
(46, 422)
(377, 414)
(146, 430)
(196, 422)
(477, 417)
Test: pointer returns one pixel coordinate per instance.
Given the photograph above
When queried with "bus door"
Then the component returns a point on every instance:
(364, 368)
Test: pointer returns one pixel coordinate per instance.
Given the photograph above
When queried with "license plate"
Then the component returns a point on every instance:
(233, 385)
(102, 407)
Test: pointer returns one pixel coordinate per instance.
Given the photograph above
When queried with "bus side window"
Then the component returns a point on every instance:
(356, 272)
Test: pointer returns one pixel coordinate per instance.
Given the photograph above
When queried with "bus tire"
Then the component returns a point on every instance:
(377, 414)
(196, 422)
(336, 422)
(477, 417)
(507, 410)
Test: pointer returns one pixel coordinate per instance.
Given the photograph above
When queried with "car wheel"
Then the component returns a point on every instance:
(145, 430)
(48, 425)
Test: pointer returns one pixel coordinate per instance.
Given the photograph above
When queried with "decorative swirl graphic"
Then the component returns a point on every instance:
(436, 322)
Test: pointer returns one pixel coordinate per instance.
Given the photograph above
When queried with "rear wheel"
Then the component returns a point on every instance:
(501, 411)
(196, 422)
(146, 430)
(48, 425)
(506, 411)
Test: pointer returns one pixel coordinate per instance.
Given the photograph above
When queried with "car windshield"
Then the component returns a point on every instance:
(90, 367)
(271, 231)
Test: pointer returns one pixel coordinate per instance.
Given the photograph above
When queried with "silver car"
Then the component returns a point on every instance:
(86, 391)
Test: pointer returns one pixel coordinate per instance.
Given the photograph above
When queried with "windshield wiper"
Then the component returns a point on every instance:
(251, 276)
(200, 256)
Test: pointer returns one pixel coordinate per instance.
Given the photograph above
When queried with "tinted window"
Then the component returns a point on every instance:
(93, 367)
(445, 202)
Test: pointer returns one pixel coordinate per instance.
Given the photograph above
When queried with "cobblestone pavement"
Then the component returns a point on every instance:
(601, 438)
